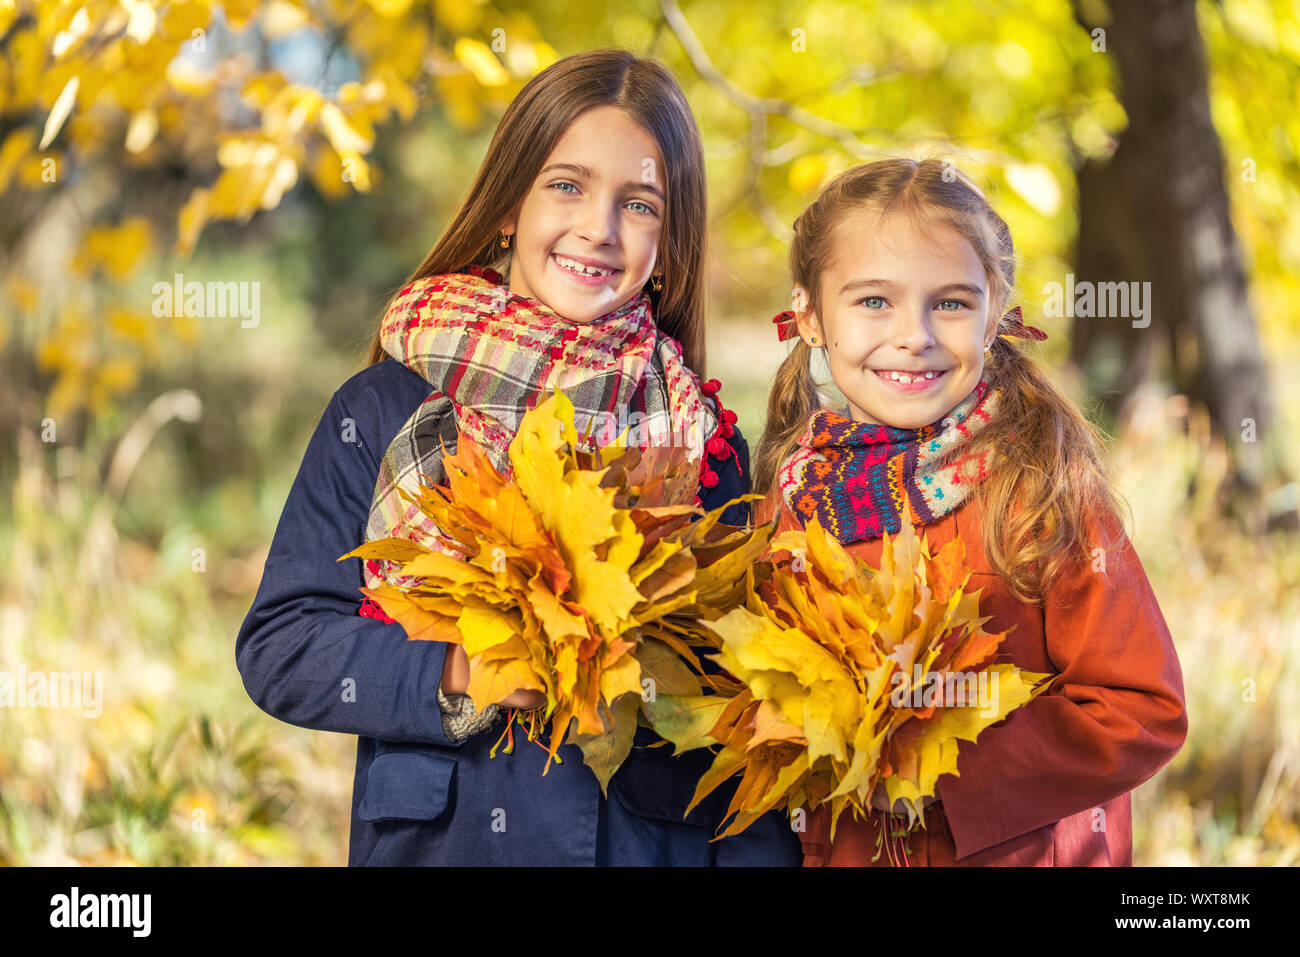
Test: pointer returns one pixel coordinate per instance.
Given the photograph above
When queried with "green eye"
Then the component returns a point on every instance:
(644, 207)
(873, 302)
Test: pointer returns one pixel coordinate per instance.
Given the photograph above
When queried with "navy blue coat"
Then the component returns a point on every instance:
(307, 658)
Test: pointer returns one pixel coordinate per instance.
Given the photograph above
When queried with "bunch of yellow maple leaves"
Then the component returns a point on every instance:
(586, 576)
(828, 653)
(576, 577)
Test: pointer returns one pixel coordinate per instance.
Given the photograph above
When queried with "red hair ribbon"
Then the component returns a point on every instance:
(785, 326)
(1016, 327)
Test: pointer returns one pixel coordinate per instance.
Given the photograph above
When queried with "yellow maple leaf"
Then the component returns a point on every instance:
(818, 647)
(576, 575)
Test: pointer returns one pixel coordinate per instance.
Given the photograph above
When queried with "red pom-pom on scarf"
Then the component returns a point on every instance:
(369, 609)
(486, 272)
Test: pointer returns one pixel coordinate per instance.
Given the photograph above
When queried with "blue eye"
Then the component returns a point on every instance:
(562, 183)
(869, 300)
(645, 207)
(954, 303)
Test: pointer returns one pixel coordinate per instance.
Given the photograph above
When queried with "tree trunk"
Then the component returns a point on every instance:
(1157, 211)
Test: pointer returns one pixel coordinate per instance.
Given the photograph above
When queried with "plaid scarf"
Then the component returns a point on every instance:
(861, 481)
(491, 355)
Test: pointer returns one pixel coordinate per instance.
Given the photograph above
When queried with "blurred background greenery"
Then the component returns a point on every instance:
(318, 147)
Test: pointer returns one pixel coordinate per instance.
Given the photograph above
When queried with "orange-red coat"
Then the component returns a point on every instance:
(1050, 785)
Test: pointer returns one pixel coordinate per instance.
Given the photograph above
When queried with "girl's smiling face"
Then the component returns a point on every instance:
(586, 235)
(904, 315)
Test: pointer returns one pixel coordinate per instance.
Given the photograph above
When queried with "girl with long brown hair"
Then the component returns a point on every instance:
(904, 275)
(575, 263)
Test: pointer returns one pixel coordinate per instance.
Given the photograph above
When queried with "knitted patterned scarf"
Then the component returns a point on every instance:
(861, 481)
(491, 355)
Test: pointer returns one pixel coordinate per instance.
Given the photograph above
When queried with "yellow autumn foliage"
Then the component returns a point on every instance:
(827, 652)
(574, 577)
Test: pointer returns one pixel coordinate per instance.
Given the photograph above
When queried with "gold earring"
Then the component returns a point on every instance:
(657, 283)
(505, 241)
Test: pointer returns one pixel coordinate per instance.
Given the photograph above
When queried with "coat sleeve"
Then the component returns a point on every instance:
(1111, 720)
(305, 654)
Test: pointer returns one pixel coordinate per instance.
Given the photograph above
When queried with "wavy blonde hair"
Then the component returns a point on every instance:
(1049, 492)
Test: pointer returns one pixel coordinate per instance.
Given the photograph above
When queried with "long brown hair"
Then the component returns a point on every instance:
(528, 131)
(1051, 483)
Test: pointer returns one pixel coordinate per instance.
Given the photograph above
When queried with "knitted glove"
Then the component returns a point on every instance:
(461, 721)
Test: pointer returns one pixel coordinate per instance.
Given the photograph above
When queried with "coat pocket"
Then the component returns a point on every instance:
(407, 786)
(656, 785)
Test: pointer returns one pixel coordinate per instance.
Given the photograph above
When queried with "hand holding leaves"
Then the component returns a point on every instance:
(573, 577)
(826, 650)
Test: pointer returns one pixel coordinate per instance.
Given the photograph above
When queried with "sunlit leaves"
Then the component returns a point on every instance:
(578, 576)
(1253, 48)
(821, 646)
(59, 112)
(17, 158)
(198, 86)
(115, 249)
(1019, 99)
(480, 61)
